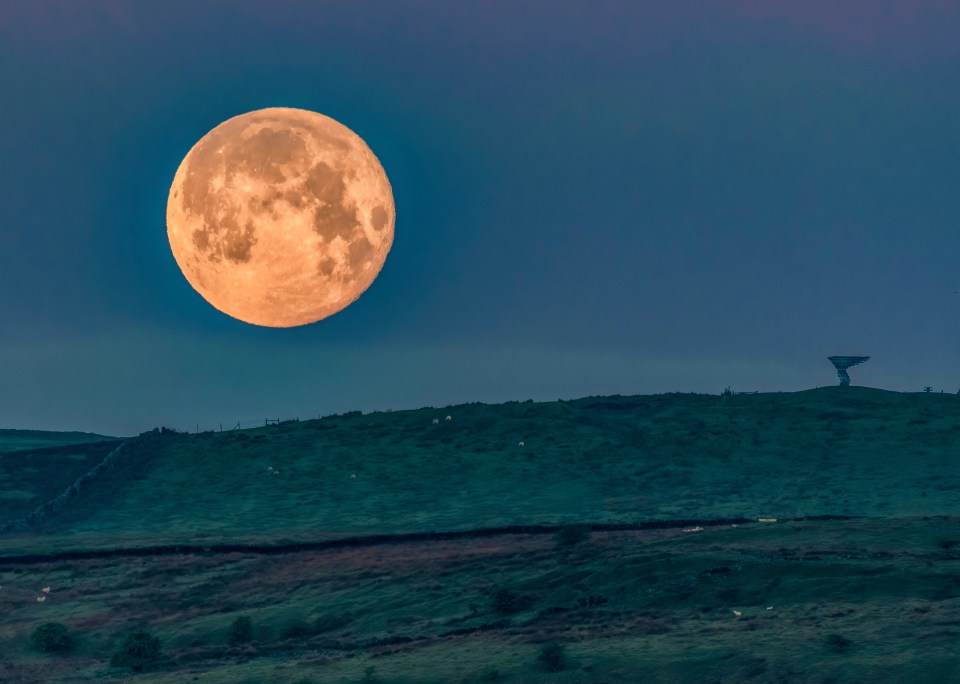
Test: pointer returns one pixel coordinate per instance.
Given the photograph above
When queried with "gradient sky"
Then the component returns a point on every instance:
(592, 198)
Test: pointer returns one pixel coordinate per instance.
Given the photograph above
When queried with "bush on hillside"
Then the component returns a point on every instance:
(838, 643)
(506, 601)
(51, 637)
(553, 657)
(296, 630)
(138, 650)
(242, 630)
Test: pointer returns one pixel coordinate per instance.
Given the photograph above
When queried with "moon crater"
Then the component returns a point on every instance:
(280, 217)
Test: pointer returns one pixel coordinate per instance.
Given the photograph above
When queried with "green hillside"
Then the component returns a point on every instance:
(870, 598)
(843, 602)
(31, 477)
(20, 440)
(855, 451)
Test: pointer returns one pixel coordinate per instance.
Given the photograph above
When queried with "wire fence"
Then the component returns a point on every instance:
(267, 421)
(248, 424)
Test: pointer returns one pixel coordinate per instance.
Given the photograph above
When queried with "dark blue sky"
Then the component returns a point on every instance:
(596, 197)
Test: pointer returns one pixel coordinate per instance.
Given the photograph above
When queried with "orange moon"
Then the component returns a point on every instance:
(280, 217)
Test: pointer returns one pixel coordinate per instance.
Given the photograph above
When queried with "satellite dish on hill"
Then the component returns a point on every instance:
(842, 363)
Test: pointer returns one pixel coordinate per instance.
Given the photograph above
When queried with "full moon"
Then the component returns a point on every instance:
(280, 217)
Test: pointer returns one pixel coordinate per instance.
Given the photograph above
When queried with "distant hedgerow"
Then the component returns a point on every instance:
(51, 637)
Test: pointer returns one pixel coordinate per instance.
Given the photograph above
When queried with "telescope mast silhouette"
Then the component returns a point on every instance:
(842, 363)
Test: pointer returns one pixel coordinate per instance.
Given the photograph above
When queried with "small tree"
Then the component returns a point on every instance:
(242, 630)
(138, 650)
(838, 643)
(553, 657)
(297, 629)
(51, 637)
(505, 601)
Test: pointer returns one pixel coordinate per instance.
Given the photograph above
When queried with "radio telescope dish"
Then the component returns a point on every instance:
(842, 363)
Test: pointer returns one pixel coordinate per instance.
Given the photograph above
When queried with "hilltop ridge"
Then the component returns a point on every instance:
(601, 459)
(20, 440)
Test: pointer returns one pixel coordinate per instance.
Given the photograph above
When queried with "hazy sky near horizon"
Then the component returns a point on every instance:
(592, 198)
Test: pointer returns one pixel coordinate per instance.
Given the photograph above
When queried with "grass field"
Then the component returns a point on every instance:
(871, 597)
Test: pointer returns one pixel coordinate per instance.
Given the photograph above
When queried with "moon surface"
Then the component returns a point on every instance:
(280, 217)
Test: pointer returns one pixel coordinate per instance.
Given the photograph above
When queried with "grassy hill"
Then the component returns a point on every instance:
(20, 440)
(31, 477)
(854, 451)
(870, 597)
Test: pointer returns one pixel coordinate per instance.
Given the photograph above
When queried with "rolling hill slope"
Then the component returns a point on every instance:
(854, 451)
(21, 440)
(840, 600)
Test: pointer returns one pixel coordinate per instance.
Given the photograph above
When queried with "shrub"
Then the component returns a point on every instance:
(51, 637)
(296, 630)
(591, 601)
(553, 657)
(568, 535)
(505, 601)
(138, 650)
(838, 642)
(242, 630)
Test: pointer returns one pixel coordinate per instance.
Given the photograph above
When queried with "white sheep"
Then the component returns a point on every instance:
(737, 613)
(353, 476)
(449, 418)
(436, 421)
(46, 590)
(41, 599)
(519, 443)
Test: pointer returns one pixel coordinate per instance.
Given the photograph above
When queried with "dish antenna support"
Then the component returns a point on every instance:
(842, 363)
